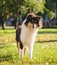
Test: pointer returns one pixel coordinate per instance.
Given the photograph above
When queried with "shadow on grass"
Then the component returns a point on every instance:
(48, 32)
(5, 58)
(47, 41)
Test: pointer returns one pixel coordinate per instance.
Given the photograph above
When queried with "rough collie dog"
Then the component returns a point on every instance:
(26, 34)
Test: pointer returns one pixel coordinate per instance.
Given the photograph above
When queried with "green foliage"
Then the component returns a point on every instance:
(36, 5)
(14, 6)
(51, 15)
(50, 7)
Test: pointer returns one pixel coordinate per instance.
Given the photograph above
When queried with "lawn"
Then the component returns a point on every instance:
(45, 48)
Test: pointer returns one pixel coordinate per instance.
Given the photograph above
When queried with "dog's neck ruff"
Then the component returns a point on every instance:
(27, 35)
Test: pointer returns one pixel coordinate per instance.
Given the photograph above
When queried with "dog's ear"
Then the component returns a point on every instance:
(28, 19)
(30, 15)
(39, 22)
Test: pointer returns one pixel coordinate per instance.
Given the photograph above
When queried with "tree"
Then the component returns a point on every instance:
(51, 8)
(13, 7)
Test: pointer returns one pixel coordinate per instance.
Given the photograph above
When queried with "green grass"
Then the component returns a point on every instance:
(48, 30)
(43, 54)
(7, 30)
(45, 50)
(12, 30)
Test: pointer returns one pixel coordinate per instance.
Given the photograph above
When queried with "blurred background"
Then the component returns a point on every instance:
(13, 12)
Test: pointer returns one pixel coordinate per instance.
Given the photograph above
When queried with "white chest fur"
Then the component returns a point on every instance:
(27, 35)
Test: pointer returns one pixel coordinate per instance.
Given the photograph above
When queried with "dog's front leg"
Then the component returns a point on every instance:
(30, 51)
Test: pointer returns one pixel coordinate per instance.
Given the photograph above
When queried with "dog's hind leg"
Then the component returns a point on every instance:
(24, 50)
(18, 45)
(20, 50)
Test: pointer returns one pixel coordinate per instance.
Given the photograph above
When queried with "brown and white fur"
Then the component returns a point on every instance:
(26, 34)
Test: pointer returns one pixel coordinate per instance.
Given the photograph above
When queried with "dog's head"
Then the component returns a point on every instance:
(33, 21)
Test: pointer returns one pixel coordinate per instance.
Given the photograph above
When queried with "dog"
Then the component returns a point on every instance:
(26, 34)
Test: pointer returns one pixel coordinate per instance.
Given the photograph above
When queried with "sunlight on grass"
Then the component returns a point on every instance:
(8, 35)
(44, 53)
(7, 30)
